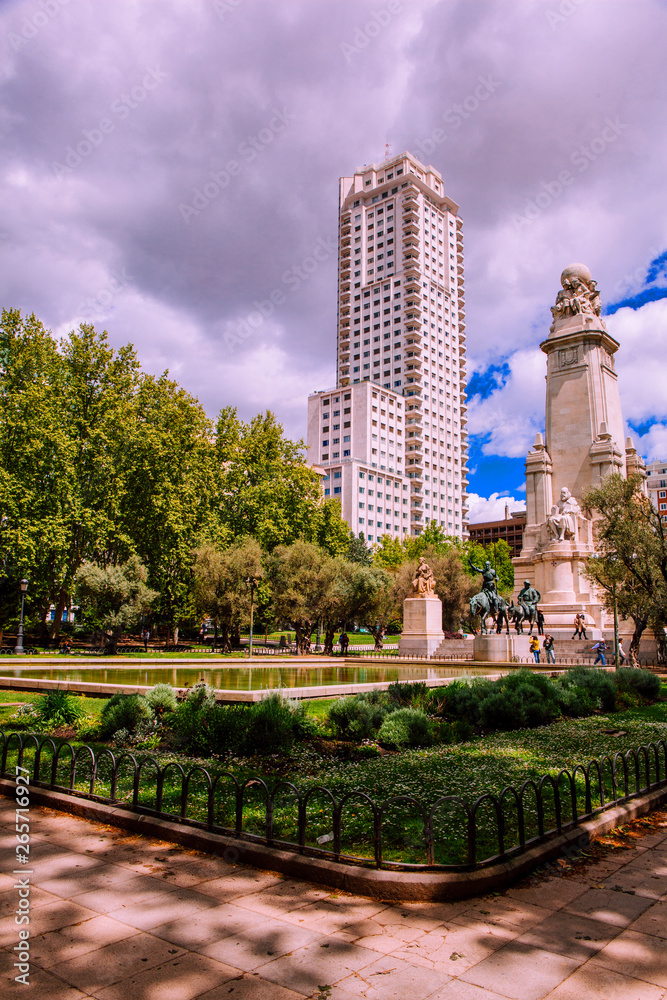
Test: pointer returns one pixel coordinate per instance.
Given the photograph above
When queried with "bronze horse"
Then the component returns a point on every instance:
(481, 607)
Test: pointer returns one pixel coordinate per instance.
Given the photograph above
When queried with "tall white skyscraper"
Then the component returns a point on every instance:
(401, 328)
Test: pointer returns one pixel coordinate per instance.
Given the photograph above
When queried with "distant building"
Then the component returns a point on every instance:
(510, 530)
(401, 356)
(365, 473)
(657, 486)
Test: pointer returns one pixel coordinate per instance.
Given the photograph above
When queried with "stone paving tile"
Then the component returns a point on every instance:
(79, 938)
(206, 926)
(60, 863)
(94, 970)
(137, 889)
(181, 979)
(597, 983)
(240, 883)
(306, 968)
(618, 908)
(250, 987)
(552, 894)
(458, 990)
(652, 921)
(455, 950)
(389, 978)
(285, 897)
(61, 913)
(84, 880)
(638, 881)
(570, 934)
(42, 985)
(9, 900)
(521, 972)
(156, 910)
(640, 956)
(330, 916)
(504, 912)
(259, 944)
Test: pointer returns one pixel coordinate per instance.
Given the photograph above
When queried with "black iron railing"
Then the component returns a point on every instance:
(488, 831)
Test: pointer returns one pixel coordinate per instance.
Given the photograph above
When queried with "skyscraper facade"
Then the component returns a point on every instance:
(400, 353)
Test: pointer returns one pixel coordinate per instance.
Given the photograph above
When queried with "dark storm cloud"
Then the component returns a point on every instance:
(170, 167)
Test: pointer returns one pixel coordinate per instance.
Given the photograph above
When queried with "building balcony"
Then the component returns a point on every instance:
(411, 224)
(459, 268)
(410, 239)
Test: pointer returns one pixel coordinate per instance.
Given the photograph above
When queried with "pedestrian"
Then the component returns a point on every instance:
(540, 622)
(146, 636)
(621, 652)
(343, 643)
(576, 624)
(582, 626)
(535, 647)
(548, 647)
(601, 648)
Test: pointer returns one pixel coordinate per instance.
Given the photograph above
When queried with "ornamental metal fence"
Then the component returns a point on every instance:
(400, 833)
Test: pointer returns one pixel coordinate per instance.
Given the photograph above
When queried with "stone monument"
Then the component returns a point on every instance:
(583, 444)
(422, 615)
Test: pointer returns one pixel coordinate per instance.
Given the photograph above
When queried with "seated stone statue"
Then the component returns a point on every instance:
(424, 581)
(562, 521)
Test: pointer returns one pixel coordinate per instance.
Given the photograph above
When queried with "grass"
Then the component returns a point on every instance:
(483, 765)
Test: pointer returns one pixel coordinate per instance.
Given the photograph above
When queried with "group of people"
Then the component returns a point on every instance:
(547, 646)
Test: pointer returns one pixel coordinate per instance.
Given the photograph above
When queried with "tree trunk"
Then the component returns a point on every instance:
(54, 634)
(225, 644)
(378, 633)
(303, 639)
(329, 638)
(633, 651)
(175, 635)
(236, 635)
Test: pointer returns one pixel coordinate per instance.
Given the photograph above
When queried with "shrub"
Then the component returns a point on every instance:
(356, 718)
(162, 698)
(408, 695)
(407, 727)
(275, 722)
(123, 711)
(640, 682)
(58, 708)
(194, 720)
(593, 690)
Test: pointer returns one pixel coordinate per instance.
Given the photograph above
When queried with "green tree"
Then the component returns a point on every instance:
(220, 587)
(631, 534)
(65, 410)
(114, 597)
(357, 549)
(499, 555)
(170, 462)
(379, 604)
(268, 491)
(301, 576)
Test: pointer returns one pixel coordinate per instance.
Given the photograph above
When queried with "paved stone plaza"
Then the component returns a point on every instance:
(120, 917)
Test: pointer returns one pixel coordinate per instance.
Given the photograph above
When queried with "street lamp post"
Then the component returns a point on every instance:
(617, 656)
(251, 581)
(18, 648)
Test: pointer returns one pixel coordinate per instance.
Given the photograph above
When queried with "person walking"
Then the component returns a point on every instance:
(601, 648)
(577, 627)
(343, 642)
(535, 647)
(582, 626)
(621, 652)
(548, 647)
(146, 636)
(540, 622)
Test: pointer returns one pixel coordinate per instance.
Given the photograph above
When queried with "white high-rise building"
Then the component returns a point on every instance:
(400, 354)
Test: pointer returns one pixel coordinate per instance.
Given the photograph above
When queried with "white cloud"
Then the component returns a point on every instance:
(510, 416)
(493, 508)
(653, 444)
(641, 361)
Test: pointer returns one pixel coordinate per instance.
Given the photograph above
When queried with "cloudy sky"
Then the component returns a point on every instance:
(167, 165)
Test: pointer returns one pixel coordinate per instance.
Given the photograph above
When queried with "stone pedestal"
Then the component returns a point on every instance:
(500, 648)
(422, 626)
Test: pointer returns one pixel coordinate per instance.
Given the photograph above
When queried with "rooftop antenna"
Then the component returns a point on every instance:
(386, 150)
